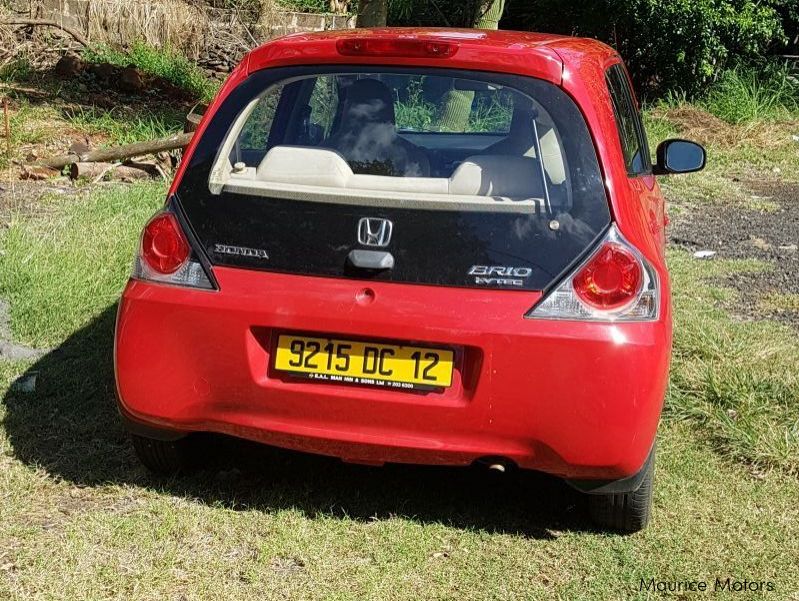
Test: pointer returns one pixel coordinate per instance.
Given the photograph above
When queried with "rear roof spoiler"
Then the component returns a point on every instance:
(475, 51)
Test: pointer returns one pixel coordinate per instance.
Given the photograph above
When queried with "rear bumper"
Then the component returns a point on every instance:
(578, 400)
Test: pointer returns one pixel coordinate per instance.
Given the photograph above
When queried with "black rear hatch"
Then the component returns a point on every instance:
(463, 214)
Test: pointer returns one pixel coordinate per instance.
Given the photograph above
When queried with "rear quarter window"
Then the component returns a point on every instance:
(628, 121)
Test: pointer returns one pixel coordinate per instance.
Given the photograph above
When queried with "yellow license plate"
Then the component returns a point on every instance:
(354, 362)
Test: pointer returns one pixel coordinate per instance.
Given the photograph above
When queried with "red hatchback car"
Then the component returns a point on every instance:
(426, 246)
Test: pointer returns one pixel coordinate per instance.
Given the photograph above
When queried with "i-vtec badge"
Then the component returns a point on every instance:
(240, 251)
(499, 275)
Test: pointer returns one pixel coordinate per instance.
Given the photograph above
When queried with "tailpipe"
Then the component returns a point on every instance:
(499, 465)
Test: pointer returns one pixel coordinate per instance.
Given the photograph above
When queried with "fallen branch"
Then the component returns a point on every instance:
(97, 171)
(47, 23)
(117, 153)
(24, 90)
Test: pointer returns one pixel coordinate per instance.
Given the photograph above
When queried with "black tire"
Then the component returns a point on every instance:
(625, 512)
(165, 457)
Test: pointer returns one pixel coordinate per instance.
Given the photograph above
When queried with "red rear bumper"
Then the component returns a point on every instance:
(578, 400)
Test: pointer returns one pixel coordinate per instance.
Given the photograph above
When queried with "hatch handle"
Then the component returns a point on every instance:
(371, 259)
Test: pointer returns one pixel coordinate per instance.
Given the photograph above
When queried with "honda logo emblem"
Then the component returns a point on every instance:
(373, 231)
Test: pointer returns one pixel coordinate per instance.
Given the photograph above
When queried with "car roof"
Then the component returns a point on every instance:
(526, 53)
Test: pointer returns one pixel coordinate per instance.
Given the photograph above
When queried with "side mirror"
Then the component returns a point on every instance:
(679, 156)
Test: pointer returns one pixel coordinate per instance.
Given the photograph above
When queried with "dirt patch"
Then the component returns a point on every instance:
(22, 197)
(697, 124)
(736, 232)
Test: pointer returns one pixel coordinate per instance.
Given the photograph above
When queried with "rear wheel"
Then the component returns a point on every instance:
(625, 512)
(164, 457)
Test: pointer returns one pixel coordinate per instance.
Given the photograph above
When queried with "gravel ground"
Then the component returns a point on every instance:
(734, 232)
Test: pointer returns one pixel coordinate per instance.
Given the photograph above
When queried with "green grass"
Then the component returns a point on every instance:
(51, 127)
(16, 70)
(65, 266)
(27, 123)
(135, 541)
(126, 126)
(749, 94)
(80, 519)
(30, 124)
(738, 382)
(165, 63)
(784, 302)
(415, 113)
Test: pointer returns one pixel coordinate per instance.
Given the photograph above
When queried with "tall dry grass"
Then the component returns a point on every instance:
(158, 23)
(7, 40)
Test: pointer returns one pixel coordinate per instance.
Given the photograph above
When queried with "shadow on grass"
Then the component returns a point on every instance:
(69, 426)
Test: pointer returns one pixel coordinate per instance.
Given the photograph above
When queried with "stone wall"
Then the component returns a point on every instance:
(215, 38)
(232, 38)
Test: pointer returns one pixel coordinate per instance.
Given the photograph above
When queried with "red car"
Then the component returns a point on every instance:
(426, 246)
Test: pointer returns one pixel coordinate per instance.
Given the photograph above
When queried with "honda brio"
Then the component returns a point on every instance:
(424, 246)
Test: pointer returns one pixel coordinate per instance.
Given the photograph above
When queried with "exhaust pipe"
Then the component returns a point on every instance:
(500, 465)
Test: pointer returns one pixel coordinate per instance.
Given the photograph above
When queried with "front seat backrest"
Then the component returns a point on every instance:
(366, 134)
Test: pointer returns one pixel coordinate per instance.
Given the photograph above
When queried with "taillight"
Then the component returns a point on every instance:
(165, 255)
(615, 283)
(610, 279)
(365, 46)
(163, 246)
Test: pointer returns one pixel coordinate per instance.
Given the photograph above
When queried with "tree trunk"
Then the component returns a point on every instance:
(490, 14)
(372, 13)
(457, 104)
(89, 170)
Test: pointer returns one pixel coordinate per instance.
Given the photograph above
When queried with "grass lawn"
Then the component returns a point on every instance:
(80, 519)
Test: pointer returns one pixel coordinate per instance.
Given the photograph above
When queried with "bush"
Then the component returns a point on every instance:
(444, 13)
(667, 44)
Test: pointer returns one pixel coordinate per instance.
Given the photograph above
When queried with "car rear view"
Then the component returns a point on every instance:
(383, 254)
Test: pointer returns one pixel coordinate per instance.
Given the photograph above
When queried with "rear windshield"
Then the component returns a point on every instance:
(464, 178)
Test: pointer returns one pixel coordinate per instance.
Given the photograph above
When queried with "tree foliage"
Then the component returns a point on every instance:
(788, 11)
(667, 44)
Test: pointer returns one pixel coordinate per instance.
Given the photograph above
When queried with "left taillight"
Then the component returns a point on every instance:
(615, 283)
(166, 256)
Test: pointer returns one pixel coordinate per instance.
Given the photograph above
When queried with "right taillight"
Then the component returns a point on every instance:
(615, 283)
(610, 279)
(165, 255)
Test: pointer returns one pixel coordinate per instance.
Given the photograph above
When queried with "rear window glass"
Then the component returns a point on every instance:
(505, 164)
(430, 139)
